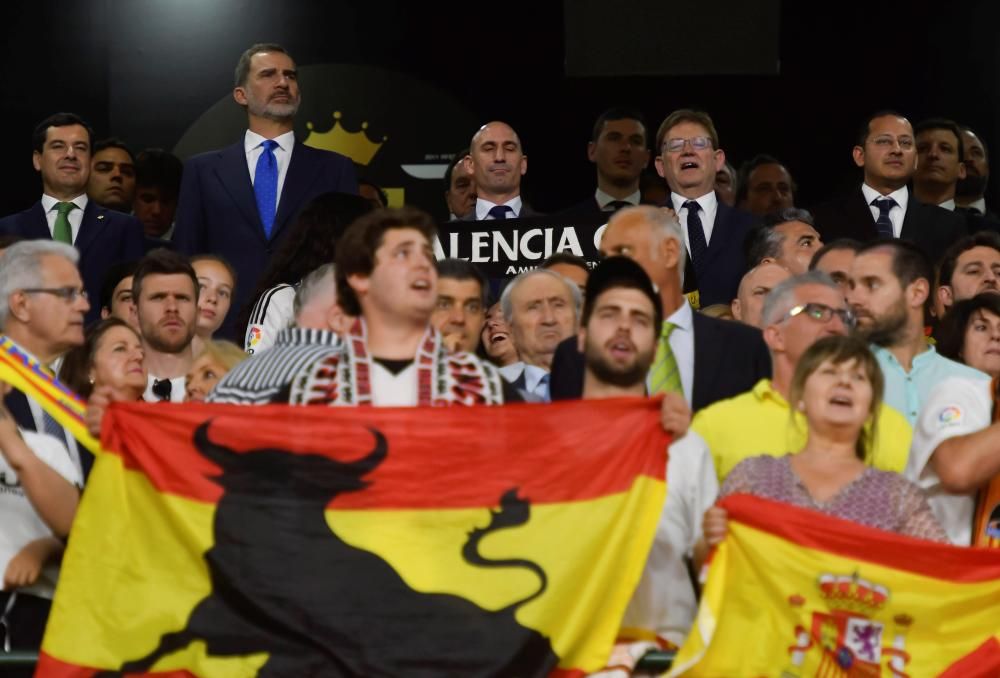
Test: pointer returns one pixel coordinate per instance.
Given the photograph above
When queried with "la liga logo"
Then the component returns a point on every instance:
(950, 415)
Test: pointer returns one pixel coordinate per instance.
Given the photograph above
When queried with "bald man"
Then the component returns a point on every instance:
(748, 306)
(497, 162)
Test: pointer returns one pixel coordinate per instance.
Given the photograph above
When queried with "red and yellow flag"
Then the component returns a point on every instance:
(227, 541)
(792, 592)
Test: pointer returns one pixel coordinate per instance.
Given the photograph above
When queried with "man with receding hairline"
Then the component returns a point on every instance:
(758, 281)
(497, 162)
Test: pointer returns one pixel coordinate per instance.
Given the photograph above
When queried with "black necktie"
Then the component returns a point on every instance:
(500, 211)
(162, 389)
(884, 223)
(970, 210)
(696, 237)
(616, 205)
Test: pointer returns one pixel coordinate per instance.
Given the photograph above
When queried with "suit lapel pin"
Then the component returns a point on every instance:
(100, 217)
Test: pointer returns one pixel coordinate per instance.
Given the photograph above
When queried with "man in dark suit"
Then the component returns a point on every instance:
(62, 144)
(970, 191)
(619, 150)
(883, 207)
(238, 202)
(703, 358)
(689, 156)
(497, 162)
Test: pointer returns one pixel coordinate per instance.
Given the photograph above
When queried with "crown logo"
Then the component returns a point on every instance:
(355, 145)
(853, 594)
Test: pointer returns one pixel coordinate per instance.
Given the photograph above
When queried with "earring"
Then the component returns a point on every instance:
(801, 407)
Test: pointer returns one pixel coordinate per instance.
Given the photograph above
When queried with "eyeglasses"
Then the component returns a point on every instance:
(67, 294)
(823, 313)
(697, 144)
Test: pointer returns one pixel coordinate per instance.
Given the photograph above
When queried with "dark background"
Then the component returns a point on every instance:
(788, 78)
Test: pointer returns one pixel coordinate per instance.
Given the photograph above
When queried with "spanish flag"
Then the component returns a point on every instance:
(792, 592)
(232, 541)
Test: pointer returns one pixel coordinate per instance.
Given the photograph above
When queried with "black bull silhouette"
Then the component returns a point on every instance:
(283, 583)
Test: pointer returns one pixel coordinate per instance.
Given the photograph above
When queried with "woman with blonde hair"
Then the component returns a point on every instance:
(211, 365)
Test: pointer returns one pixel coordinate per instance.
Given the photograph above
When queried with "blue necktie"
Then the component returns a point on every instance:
(884, 223)
(499, 211)
(265, 185)
(696, 238)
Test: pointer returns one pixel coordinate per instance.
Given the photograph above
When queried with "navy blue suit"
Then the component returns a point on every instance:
(105, 238)
(217, 210)
(727, 261)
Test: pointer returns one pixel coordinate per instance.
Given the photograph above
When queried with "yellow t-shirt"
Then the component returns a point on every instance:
(757, 422)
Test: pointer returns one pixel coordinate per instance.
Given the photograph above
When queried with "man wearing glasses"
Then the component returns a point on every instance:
(883, 207)
(797, 313)
(889, 286)
(688, 159)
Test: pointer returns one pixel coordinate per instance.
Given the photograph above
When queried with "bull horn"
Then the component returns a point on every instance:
(374, 458)
(218, 454)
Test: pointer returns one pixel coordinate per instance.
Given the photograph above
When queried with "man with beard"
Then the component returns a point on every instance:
(970, 191)
(889, 287)
(459, 188)
(238, 202)
(618, 336)
(165, 293)
(497, 162)
(969, 267)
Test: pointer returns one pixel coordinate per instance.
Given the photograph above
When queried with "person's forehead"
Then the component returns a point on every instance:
(113, 154)
(820, 294)
(939, 134)
(686, 128)
(117, 334)
(770, 171)
(497, 132)
(209, 268)
(465, 288)
(59, 268)
(979, 253)
(624, 229)
(837, 258)
(768, 275)
(876, 262)
(394, 237)
(167, 282)
(66, 133)
(890, 124)
(627, 298)
(624, 126)
(541, 287)
(124, 284)
(263, 60)
(795, 228)
(970, 138)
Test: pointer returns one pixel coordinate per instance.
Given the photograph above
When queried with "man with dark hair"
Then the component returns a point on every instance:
(970, 191)
(238, 202)
(688, 158)
(835, 259)
(165, 294)
(618, 148)
(393, 356)
(940, 162)
(65, 214)
(497, 162)
(461, 304)
(882, 207)
(459, 187)
(787, 238)
(969, 267)
(112, 175)
(157, 185)
(695, 353)
(764, 185)
(116, 294)
(569, 266)
(889, 289)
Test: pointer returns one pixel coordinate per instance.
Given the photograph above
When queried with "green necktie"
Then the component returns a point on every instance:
(62, 231)
(665, 377)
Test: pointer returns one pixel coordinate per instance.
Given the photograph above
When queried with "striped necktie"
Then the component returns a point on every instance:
(884, 224)
(665, 376)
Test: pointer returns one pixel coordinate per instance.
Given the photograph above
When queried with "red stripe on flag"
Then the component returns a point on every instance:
(819, 531)
(50, 667)
(983, 662)
(437, 457)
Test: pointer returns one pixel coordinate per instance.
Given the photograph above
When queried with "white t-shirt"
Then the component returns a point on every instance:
(394, 390)
(177, 392)
(664, 601)
(20, 524)
(956, 407)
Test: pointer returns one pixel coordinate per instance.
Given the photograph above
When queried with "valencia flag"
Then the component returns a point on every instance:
(277, 541)
(792, 592)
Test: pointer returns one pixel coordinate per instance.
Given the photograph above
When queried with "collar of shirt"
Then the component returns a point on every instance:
(979, 205)
(764, 390)
(919, 360)
(252, 141)
(709, 206)
(532, 375)
(511, 372)
(603, 199)
(948, 205)
(49, 203)
(901, 196)
(483, 208)
(683, 317)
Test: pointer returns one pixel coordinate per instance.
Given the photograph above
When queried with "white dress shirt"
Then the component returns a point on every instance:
(511, 372)
(682, 344)
(604, 200)
(483, 208)
(948, 205)
(75, 216)
(896, 214)
(282, 154)
(709, 207)
(533, 375)
(979, 205)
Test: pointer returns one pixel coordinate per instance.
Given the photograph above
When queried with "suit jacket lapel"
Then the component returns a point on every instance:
(235, 178)
(17, 403)
(36, 226)
(704, 368)
(90, 226)
(301, 173)
(859, 212)
(913, 220)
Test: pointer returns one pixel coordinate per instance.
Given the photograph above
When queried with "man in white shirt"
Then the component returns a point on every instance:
(165, 293)
(238, 202)
(497, 162)
(940, 162)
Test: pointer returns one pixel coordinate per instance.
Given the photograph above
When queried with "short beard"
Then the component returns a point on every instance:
(971, 186)
(888, 330)
(609, 373)
(154, 341)
(272, 111)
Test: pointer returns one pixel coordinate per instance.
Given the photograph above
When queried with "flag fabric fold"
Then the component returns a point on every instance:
(229, 541)
(792, 592)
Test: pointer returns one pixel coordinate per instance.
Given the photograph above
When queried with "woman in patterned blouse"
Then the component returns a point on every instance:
(837, 386)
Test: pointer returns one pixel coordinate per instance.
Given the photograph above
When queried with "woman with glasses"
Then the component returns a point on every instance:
(837, 385)
(970, 333)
